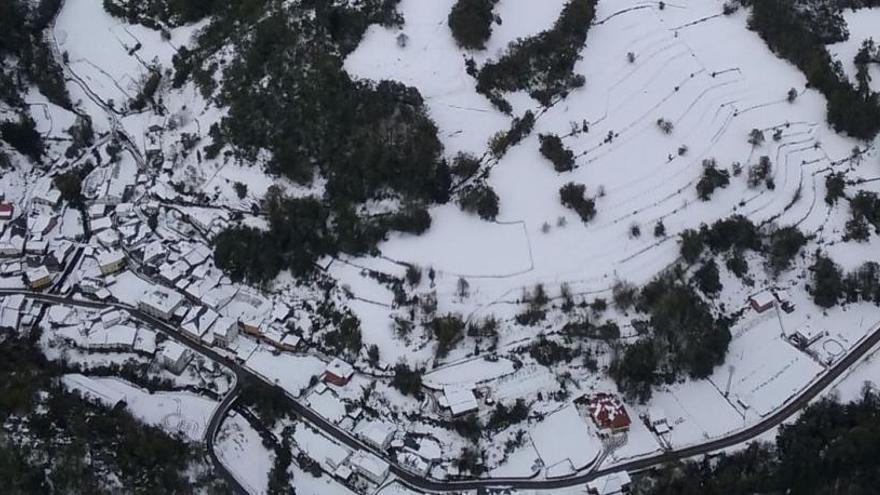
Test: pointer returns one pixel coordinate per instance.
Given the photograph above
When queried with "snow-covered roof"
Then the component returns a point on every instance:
(607, 411)
(806, 332)
(110, 257)
(37, 273)
(460, 400)
(112, 336)
(291, 340)
(340, 368)
(327, 405)
(101, 223)
(376, 432)
(763, 298)
(369, 463)
(172, 351)
(610, 484)
(198, 320)
(162, 299)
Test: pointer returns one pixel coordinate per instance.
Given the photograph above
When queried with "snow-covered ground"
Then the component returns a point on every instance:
(175, 412)
(241, 450)
(706, 73)
(862, 25)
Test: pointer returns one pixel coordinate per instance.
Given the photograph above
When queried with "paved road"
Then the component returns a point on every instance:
(428, 484)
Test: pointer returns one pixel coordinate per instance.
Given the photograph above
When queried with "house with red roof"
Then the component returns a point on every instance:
(6, 211)
(608, 413)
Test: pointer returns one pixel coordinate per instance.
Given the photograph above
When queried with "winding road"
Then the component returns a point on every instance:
(433, 485)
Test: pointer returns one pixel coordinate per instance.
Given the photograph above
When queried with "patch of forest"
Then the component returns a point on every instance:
(290, 99)
(471, 22)
(57, 442)
(541, 65)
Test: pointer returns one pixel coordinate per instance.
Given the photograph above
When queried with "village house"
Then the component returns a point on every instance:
(7, 210)
(251, 326)
(459, 400)
(47, 196)
(36, 246)
(160, 303)
(657, 421)
(96, 211)
(11, 309)
(111, 261)
(375, 433)
(175, 357)
(100, 223)
(224, 332)
(197, 322)
(762, 301)
(111, 316)
(338, 372)
(289, 342)
(803, 336)
(111, 338)
(369, 466)
(608, 413)
(13, 246)
(38, 278)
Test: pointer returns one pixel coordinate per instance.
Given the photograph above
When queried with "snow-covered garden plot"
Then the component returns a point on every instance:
(110, 57)
(565, 442)
(175, 412)
(240, 448)
(290, 372)
(469, 372)
(764, 370)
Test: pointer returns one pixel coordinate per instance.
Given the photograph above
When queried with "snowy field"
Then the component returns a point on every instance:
(241, 450)
(707, 74)
(714, 93)
(862, 25)
(181, 413)
(290, 372)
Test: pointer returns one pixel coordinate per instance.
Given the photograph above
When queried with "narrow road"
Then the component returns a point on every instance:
(214, 426)
(429, 484)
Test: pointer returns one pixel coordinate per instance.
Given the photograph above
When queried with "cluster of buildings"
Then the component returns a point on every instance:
(110, 330)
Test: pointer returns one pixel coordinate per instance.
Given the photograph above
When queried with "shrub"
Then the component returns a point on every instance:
(760, 171)
(480, 199)
(553, 150)
(465, 165)
(408, 381)
(784, 245)
(447, 329)
(835, 185)
(572, 196)
(712, 179)
(827, 284)
(707, 278)
(691, 245)
(23, 136)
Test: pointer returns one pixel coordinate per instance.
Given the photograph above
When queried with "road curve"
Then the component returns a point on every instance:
(211, 433)
(433, 485)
